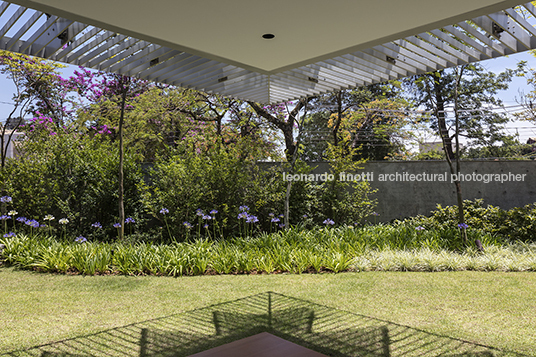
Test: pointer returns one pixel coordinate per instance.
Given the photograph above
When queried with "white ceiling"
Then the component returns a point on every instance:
(306, 30)
(319, 45)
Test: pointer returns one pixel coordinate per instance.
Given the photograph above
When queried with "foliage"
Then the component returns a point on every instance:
(344, 201)
(514, 224)
(372, 117)
(294, 250)
(74, 176)
(376, 129)
(477, 91)
(219, 179)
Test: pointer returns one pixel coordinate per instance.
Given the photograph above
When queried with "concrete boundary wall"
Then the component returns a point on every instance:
(409, 188)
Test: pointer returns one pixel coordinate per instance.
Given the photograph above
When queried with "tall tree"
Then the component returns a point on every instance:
(467, 92)
(284, 118)
(38, 92)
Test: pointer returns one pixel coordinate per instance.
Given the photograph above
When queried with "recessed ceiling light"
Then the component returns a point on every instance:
(268, 36)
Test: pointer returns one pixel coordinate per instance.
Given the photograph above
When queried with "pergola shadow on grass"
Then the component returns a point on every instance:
(327, 330)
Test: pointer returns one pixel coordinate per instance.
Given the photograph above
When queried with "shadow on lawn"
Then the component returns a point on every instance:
(326, 330)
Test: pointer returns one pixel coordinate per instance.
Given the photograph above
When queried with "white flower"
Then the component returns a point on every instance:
(12, 213)
(63, 220)
(49, 217)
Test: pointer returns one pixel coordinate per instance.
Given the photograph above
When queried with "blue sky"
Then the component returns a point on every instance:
(510, 97)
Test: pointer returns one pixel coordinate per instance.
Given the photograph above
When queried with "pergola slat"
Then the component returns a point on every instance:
(487, 36)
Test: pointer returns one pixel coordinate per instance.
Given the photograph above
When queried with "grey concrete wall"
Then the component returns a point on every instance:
(405, 197)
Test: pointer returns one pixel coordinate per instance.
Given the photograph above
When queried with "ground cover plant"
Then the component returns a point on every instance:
(399, 247)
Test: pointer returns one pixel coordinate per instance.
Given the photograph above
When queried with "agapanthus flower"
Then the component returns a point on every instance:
(375, 213)
(164, 211)
(243, 208)
(205, 225)
(96, 225)
(207, 217)
(63, 221)
(187, 225)
(463, 226)
(242, 215)
(129, 220)
(275, 220)
(329, 222)
(282, 225)
(22, 219)
(12, 213)
(252, 219)
(419, 228)
(199, 212)
(117, 225)
(271, 214)
(281, 216)
(9, 235)
(32, 223)
(4, 217)
(304, 216)
(6, 199)
(80, 239)
(213, 212)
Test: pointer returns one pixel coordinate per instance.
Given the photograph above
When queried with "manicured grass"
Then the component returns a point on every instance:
(495, 309)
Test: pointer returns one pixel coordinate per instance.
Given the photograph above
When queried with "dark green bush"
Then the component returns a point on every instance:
(515, 224)
(75, 177)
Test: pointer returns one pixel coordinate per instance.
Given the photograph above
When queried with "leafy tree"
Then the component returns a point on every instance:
(366, 114)
(37, 92)
(469, 90)
(284, 118)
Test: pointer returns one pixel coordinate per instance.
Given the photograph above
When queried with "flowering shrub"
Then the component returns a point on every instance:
(74, 177)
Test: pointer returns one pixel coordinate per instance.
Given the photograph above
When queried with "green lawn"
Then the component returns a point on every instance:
(490, 308)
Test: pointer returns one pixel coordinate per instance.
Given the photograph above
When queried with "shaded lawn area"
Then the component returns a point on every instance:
(489, 308)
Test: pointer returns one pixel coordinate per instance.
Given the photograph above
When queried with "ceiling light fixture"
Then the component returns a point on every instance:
(268, 36)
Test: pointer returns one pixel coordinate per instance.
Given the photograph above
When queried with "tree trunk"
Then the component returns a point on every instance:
(447, 146)
(124, 88)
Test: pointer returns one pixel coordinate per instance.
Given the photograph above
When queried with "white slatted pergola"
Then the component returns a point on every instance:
(218, 46)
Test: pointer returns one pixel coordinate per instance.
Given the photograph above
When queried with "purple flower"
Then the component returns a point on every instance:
(22, 219)
(6, 199)
(164, 211)
(304, 216)
(419, 228)
(329, 222)
(205, 226)
(463, 226)
(32, 223)
(281, 216)
(243, 215)
(199, 212)
(3, 218)
(375, 213)
(282, 225)
(252, 219)
(207, 217)
(213, 212)
(130, 220)
(9, 235)
(117, 225)
(243, 208)
(187, 225)
(271, 214)
(275, 220)
(80, 239)
(96, 225)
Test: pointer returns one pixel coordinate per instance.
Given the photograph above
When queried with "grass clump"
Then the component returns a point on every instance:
(399, 247)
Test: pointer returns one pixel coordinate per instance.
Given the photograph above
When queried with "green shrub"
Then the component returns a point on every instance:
(514, 224)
